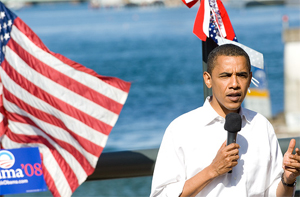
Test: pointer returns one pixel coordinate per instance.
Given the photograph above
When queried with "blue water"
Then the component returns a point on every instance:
(155, 49)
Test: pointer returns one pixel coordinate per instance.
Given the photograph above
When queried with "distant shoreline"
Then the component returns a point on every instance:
(145, 3)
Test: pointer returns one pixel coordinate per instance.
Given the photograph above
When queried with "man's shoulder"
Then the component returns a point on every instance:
(189, 118)
(190, 115)
(251, 115)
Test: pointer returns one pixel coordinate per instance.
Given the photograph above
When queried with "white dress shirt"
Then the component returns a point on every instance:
(192, 141)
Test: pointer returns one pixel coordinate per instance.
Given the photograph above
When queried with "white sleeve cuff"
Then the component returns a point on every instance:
(271, 191)
(170, 190)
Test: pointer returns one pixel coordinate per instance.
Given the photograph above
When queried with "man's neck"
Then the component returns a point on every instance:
(220, 109)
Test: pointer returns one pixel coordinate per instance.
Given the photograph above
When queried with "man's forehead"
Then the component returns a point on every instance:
(231, 64)
(231, 56)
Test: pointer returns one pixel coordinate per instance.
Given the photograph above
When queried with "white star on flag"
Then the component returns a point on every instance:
(4, 26)
(9, 23)
(6, 36)
(2, 15)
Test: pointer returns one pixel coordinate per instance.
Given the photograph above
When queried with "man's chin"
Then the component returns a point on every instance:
(233, 108)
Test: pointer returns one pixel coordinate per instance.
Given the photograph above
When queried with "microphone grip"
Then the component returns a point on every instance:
(231, 138)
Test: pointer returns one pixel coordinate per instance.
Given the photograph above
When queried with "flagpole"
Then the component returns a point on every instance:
(207, 47)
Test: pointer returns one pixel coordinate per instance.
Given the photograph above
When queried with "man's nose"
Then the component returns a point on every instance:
(234, 82)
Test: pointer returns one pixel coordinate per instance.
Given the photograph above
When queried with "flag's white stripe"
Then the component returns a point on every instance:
(49, 162)
(59, 91)
(220, 22)
(1, 88)
(1, 116)
(52, 130)
(84, 78)
(188, 1)
(70, 122)
(26, 129)
(206, 18)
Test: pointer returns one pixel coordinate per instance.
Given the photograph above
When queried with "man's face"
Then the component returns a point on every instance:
(229, 80)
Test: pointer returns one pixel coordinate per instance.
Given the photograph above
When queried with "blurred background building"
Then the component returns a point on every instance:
(169, 3)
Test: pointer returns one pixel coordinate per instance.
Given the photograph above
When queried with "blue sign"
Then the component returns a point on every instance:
(21, 171)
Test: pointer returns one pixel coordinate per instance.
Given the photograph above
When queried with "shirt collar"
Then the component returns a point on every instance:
(245, 115)
(211, 115)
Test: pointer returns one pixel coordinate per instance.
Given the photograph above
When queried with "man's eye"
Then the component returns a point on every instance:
(244, 75)
(224, 76)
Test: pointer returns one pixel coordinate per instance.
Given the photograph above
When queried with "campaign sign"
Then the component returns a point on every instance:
(21, 171)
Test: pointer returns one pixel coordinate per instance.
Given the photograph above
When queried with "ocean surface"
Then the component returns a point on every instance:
(155, 49)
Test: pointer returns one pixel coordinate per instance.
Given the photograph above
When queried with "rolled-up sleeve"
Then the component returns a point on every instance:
(275, 168)
(169, 173)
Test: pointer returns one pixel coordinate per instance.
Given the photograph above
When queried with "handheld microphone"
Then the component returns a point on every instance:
(233, 124)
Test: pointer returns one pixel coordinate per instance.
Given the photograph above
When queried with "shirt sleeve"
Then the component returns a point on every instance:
(275, 169)
(169, 173)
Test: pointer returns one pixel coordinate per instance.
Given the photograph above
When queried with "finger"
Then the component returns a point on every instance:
(233, 163)
(294, 158)
(291, 146)
(298, 151)
(292, 161)
(233, 152)
(232, 146)
(224, 144)
(235, 158)
(290, 164)
(293, 170)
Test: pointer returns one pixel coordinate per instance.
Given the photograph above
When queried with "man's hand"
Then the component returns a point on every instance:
(291, 163)
(225, 159)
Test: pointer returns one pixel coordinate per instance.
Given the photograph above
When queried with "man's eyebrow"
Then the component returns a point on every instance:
(242, 73)
(225, 73)
(230, 73)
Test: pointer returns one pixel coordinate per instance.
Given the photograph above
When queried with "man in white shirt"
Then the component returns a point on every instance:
(194, 160)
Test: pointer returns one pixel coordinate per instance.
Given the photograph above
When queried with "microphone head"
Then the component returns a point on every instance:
(233, 122)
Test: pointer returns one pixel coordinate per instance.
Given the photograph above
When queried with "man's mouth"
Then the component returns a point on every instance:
(234, 96)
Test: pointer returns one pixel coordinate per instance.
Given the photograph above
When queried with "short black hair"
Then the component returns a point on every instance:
(225, 50)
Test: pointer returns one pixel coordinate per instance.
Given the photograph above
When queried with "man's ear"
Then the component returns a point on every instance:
(250, 77)
(207, 79)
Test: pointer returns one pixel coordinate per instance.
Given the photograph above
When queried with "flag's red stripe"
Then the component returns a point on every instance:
(50, 181)
(198, 25)
(118, 83)
(72, 150)
(3, 123)
(3, 126)
(64, 80)
(226, 21)
(89, 146)
(55, 102)
(65, 168)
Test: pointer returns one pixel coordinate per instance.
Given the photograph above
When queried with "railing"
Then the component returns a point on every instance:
(125, 164)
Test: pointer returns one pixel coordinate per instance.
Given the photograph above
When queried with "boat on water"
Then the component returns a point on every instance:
(252, 3)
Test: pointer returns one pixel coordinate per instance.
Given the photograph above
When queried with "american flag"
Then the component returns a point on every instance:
(56, 104)
(211, 20)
